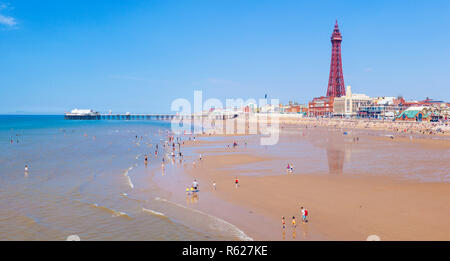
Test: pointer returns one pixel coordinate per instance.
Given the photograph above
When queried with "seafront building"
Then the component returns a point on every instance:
(419, 113)
(321, 107)
(380, 108)
(349, 104)
(81, 112)
(294, 108)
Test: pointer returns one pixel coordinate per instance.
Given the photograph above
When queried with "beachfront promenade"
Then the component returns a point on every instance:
(405, 127)
(71, 116)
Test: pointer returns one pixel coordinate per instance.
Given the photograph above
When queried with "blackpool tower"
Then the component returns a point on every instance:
(336, 80)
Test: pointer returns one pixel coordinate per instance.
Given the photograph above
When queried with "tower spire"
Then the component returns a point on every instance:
(336, 80)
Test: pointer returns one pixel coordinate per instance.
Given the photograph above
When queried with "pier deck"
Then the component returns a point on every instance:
(145, 116)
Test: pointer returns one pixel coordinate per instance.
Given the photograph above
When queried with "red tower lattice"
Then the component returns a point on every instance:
(336, 81)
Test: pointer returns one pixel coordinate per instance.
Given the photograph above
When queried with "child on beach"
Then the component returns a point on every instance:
(195, 184)
(304, 214)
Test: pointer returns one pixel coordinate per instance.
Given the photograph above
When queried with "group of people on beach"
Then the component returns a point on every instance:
(191, 192)
(402, 127)
(172, 150)
(193, 189)
(304, 215)
(290, 168)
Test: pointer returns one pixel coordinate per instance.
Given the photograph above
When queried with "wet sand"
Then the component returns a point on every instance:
(348, 206)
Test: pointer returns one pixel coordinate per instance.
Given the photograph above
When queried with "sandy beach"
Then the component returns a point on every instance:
(343, 203)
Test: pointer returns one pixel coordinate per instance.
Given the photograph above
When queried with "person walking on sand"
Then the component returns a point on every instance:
(236, 181)
(304, 214)
(293, 222)
(283, 222)
(214, 185)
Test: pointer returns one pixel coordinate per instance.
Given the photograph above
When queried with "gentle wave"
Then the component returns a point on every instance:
(129, 182)
(239, 233)
(114, 213)
(128, 177)
(26, 219)
(156, 213)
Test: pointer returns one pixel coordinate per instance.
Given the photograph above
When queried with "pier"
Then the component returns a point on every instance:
(96, 116)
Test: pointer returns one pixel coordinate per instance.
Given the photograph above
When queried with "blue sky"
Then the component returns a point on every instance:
(139, 56)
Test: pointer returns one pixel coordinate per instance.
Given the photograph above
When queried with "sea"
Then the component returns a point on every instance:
(88, 179)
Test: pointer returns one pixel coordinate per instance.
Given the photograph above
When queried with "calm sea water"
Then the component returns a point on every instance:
(88, 178)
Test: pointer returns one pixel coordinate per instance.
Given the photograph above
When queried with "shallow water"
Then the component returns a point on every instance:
(88, 178)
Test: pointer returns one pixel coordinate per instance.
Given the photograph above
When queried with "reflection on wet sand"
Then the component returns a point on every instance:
(337, 149)
(335, 160)
(305, 231)
(191, 199)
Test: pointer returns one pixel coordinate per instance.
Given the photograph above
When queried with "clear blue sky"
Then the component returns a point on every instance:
(139, 56)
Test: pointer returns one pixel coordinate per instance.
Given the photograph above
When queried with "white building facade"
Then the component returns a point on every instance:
(348, 105)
